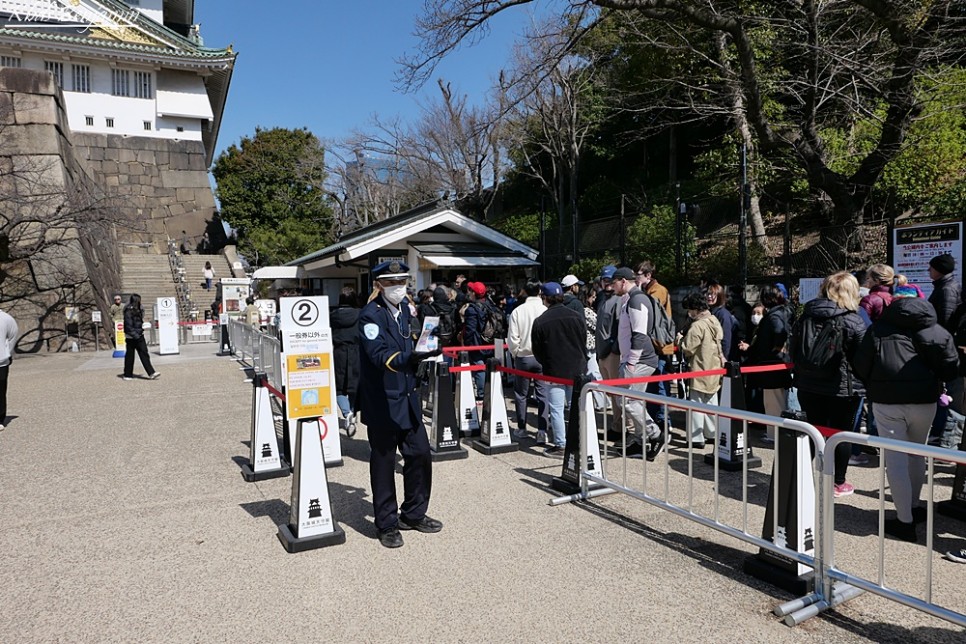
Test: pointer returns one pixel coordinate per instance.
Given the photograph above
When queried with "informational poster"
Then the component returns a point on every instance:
(308, 368)
(95, 316)
(913, 247)
(167, 325)
(119, 336)
(266, 311)
(234, 291)
(808, 288)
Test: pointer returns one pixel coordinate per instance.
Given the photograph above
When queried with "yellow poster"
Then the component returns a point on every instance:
(308, 392)
(119, 335)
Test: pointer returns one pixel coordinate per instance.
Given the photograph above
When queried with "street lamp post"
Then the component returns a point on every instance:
(677, 227)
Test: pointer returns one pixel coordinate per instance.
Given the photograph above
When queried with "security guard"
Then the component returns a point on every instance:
(390, 407)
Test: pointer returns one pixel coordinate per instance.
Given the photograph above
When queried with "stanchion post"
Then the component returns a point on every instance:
(264, 461)
(495, 426)
(732, 441)
(444, 435)
(580, 409)
(466, 400)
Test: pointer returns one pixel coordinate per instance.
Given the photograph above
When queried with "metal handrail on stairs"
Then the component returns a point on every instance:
(180, 280)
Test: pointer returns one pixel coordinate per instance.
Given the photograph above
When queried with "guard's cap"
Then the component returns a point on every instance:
(390, 270)
(570, 280)
(607, 273)
(550, 289)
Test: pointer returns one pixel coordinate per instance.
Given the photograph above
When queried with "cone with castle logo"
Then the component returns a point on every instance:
(444, 434)
(495, 427)
(732, 439)
(466, 401)
(264, 461)
(569, 480)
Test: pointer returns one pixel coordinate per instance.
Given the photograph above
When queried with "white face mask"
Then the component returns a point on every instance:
(394, 294)
(756, 319)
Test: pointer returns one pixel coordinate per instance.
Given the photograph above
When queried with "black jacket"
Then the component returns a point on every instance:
(573, 303)
(559, 340)
(474, 318)
(133, 322)
(729, 337)
(905, 355)
(767, 348)
(822, 310)
(946, 297)
(344, 321)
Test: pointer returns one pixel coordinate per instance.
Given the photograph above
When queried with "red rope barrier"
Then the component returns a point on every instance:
(472, 367)
(536, 376)
(275, 392)
(480, 347)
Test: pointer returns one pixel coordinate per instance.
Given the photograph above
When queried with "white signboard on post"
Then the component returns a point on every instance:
(167, 325)
(914, 246)
(309, 369)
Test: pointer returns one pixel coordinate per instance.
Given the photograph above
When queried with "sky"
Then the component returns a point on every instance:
(328, 65)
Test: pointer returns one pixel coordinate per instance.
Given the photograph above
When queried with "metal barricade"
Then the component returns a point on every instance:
(260, 350)
(609, 485)
(825, 596)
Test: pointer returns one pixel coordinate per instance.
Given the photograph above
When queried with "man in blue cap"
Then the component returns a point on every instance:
(390, 407)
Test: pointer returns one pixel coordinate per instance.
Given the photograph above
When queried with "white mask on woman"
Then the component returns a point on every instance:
(756, 319)
(394, 294)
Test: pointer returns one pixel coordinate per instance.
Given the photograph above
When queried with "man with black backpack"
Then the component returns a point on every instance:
(661, 330)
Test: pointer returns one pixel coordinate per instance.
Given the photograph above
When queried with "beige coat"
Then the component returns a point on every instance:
(702, 348)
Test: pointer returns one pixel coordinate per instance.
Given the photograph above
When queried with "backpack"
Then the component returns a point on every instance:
(493, 325)
(661, 329)
(819, 345)
(446, 331)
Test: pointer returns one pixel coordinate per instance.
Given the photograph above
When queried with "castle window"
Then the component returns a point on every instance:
(10, 61)
(89, 121)
(57, 69)
(81, 78)
(143, 85)
(180, 128)
(120, 82)
(109, 121)
(147, 126)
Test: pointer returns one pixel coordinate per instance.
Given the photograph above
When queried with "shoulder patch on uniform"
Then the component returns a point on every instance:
(371, 330)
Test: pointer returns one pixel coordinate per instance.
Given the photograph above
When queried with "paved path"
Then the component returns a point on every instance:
(125, 519)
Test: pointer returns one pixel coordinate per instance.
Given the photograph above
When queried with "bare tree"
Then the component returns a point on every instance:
(824, 64)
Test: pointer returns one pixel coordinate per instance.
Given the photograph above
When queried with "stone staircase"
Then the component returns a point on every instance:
(150, 277)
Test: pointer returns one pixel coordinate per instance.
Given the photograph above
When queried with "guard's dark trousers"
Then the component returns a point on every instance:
(413, 444)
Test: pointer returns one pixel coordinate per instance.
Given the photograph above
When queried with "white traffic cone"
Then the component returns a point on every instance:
(466, 401)
(264, 461)
(569, 480)
(495, 427)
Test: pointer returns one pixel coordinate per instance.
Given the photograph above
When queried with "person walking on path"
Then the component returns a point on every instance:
(903, 360)
(391, 409)
(823, 345)
(8, 340)
(134, 339)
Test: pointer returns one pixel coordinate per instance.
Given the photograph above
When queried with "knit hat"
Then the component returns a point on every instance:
(905, 291)
(477, 287)
(944, 264)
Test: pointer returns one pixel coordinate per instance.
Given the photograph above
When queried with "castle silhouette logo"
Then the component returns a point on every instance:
(499, 428)
(447, 433)
(724, 439)
(266, 450)
(315, 510)
(469, 413)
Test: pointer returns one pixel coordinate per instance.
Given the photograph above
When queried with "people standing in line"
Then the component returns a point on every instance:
(8, 342)
(519, 342)
(880, 278)
(473, 314)
(209, 275)
(647, 282)
(638, 359)
(390, 407)
(571, 287)
(717, 298)
(903, 360)
(830, 393)
(702, 348)
(767, 347)
(134, 339)
(344, 320)
(253, 316)
(588, 298)
(605, 338)
(741, 310)
(947, 293)
(559, 341)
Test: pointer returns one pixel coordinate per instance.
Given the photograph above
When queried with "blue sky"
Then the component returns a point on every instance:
(328, 65)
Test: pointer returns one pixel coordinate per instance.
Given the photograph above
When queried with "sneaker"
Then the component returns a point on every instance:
(858, 459)
(919, 514)
(541, 438)
(554, 451)
(426, 524)
(2, 427)
(520, 433)
(767, 440)
(635, 450)
(390, 538)
(902, 531)
(654, 447)
(128, 377)
(844, 489)
(959, 556)
(155, 375)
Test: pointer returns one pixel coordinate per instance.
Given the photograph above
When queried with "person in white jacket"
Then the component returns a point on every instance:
(518, 341)
(8, 340)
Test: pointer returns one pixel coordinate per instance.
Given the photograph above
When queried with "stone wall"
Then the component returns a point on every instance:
(71, 204)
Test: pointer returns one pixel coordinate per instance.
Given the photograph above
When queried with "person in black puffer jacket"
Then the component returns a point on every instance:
(344, 320)
(768, 348)
(903, 360)
(134, 339)
(831, 396)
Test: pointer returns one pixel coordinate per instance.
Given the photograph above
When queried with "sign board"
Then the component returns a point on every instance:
(809, 288)
(95, 316)
(119, 337)
(234, 291)
(201, 330)
(167, 325)
(266, 311)
(913, 247)
(308, 369)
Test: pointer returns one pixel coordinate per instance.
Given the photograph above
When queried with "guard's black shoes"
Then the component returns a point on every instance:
(390, 538)
(423, 525)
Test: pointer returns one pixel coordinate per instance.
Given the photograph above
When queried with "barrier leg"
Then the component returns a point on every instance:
(264, 461)
(310, 523)
(732, 440)
(444, 435)
(495, 427)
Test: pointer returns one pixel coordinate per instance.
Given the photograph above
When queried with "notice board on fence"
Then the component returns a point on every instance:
(914, 245)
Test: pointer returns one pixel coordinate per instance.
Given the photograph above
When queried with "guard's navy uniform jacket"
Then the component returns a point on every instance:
(390, 407)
